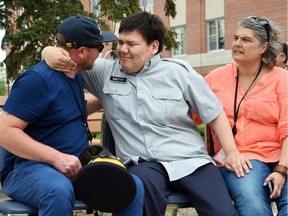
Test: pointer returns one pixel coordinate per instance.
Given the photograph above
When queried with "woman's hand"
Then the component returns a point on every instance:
(238, 163)
(278, 182)
(58, 59)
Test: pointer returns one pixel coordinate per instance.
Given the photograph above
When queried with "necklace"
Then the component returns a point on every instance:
(236, 108)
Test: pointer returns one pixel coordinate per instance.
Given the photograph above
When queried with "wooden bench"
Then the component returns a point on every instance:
(94, 124)
(2, 100)
(176, 199)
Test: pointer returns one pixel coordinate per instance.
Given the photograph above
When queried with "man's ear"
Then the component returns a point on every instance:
(80, 51)
(155, 47)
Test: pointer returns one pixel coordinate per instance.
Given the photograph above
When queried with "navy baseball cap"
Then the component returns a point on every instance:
(80, 31)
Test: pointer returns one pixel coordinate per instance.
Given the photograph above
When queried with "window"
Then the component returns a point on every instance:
(145, 3)
(181, 39)
(215, 31)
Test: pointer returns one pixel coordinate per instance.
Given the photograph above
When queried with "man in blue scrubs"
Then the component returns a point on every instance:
(42, 124)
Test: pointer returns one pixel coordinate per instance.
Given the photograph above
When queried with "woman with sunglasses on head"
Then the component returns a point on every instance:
(254, 94)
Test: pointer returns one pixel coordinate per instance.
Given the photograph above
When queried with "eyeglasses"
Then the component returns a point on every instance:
(98, 46)
(263, 22)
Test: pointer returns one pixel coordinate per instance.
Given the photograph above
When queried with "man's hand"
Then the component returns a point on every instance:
(237, 163)
(67, 164)
(58, 59)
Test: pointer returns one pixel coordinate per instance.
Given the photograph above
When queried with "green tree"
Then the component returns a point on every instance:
(2, 87)
(32, 27)
(36, 23)
(2, 81)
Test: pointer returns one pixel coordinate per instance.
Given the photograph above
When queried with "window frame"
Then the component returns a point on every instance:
(146, 3)
(180, 39)
(218, 39)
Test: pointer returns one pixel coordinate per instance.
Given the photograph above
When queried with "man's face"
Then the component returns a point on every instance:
(88, 57)
(94, 53)
(133, 51)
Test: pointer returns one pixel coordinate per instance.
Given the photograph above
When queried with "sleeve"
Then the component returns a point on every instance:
(196, 118)
(201, 98)
(198, 94)
(29, 97)
(282, 128)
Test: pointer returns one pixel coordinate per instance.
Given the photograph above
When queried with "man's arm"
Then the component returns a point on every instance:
(234, 160)
(15, 140)
(93, 104)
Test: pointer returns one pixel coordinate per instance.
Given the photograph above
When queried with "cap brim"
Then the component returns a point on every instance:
(108, 37)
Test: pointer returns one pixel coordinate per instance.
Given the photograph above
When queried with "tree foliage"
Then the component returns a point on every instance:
(31, 25)
(117, 10)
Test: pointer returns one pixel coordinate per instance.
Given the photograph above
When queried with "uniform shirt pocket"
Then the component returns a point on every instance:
(117, 100)
(170, 105)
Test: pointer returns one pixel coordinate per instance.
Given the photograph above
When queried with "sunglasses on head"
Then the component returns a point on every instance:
(98, 46)
(263, 22)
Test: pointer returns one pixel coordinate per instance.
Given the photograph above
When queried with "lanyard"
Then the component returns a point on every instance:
(236, 108)
(81, 109)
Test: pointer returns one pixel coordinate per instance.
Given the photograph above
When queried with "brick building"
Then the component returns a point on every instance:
(205, 27)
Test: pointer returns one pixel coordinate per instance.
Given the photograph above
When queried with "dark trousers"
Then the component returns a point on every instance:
(205, 187)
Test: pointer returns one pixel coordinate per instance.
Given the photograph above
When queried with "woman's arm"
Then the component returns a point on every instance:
(283, 158)
(58, 59)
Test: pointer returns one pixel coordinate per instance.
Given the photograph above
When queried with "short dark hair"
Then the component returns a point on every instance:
(150, 26)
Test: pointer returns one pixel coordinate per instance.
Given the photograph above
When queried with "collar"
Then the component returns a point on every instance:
(148, 65)
(151, 63)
